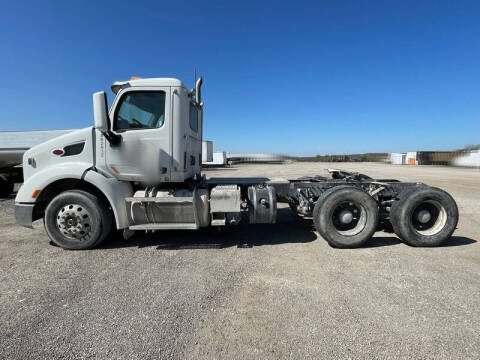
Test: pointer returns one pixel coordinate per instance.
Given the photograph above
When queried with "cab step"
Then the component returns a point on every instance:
(168, 226)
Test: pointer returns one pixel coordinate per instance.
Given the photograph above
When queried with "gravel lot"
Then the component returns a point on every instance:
(181, 295)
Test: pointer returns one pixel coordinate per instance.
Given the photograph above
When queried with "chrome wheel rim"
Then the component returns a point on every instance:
(429, 218)
(349, 218)
(73, 221)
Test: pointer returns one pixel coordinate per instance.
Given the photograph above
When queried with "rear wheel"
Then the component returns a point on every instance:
(424, 216)
(77, 220)
(345, 216)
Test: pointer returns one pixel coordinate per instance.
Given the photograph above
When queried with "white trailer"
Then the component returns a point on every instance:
(207, 151)
(264, 158)
(13, 145)
(139, 168)
(398, 158)
(219, 159)
(468, 159)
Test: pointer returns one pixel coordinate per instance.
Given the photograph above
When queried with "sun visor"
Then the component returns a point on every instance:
(118, 85)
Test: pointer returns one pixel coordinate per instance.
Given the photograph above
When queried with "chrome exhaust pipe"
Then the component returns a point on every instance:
(198, 91)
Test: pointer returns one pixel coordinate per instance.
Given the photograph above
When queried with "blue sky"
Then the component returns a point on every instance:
(299, 78)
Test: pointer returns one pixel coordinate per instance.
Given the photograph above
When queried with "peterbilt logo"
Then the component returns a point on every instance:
(102, 147)
(58, 152)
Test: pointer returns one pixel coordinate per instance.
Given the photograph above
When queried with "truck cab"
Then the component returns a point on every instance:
(157, 124)
(150, 137)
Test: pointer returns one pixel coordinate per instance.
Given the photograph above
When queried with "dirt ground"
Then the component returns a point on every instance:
(197, 295)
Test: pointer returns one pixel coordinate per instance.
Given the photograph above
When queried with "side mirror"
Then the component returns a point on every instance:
(100, 116)
(100, 112)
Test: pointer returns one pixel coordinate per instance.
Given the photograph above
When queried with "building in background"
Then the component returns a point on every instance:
(397, 158)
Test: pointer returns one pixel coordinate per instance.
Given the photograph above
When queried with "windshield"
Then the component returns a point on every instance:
(141, 110)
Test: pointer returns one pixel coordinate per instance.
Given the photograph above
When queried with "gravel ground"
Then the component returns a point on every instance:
(198, 295)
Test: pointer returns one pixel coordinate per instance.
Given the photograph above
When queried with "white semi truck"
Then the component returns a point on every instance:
(139, 168)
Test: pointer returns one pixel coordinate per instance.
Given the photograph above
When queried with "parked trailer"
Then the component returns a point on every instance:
(13, 145)
(468, 159)
(437, 157)
(398, 158)
(207, 151)
(139, 168)
(265, 158)
(219, 159)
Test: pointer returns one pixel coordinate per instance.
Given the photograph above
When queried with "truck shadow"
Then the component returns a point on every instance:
(288, 229)
(378, 241)
(217, 168)
(458, 241)
(8, 197)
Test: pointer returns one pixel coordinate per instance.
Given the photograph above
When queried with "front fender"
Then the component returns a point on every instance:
(115, 191)
(41, 179)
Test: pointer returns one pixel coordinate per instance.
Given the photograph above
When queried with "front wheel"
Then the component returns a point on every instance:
(346, 216)
(77, 220)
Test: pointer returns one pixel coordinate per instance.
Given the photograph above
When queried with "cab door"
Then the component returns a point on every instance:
(194, 143)
(142, 117)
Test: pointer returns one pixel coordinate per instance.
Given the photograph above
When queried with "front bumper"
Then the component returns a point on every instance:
(24, 214)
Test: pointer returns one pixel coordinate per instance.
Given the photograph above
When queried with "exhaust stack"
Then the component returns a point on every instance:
(198, 91)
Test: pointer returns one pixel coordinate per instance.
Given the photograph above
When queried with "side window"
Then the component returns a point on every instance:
(140, 110)
(193, 117)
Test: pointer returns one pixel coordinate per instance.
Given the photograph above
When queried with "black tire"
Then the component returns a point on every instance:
(6, 187)
(405, 216)
(362, 207)
(77, 220)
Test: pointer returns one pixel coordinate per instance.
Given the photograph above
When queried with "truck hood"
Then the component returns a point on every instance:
(42, 155)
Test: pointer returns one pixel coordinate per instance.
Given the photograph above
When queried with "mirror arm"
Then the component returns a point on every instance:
(113, 139)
